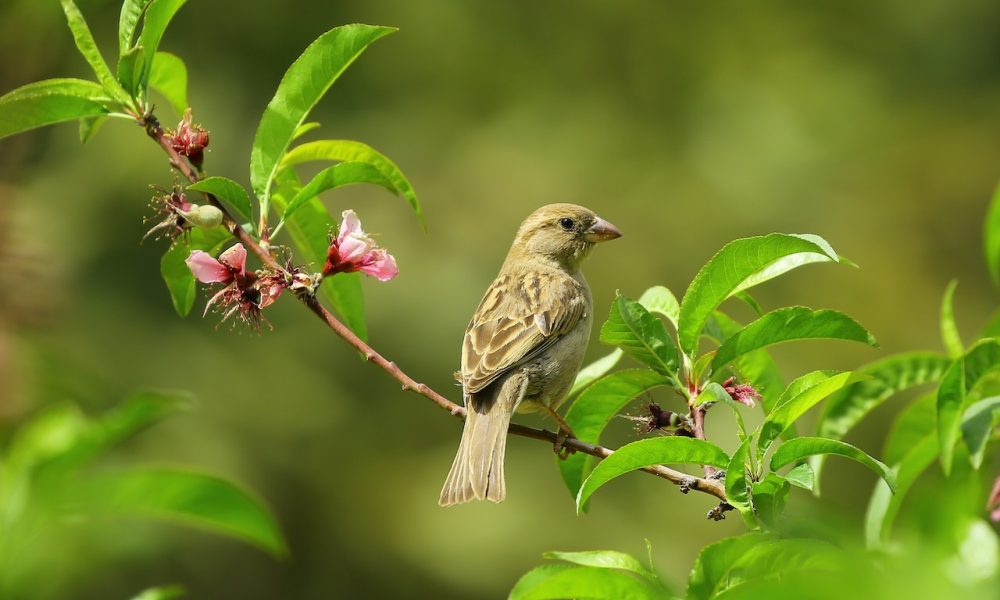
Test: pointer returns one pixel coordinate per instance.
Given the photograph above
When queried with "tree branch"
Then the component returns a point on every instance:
(683, 480)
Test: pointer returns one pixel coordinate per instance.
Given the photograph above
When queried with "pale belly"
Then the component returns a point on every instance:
(551, 374)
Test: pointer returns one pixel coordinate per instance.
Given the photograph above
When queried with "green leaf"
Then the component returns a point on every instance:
(127, 23)
(742, 264)
(302, 86)
(357, 152)
(789, 410)
(594, 371)
(653, 451)
(957, 382)
(659, 299)
(949, 330)
(89, 126)
(802, 476)
(991, 238)
(341, 174)
(163, 592)
(168, 76)
(48, 102)
(885, 502)
(131, 70)
(49, 434)
(978, 423)
(605, 559)
(228, 191)
(915, 422)
(750, 301)
(304, 129)
(756, 368)
(188, 497)
(714, 392)
(310, 228)
(737, 484)
(158, 15)
(175, 272)
(88, 48)
(714, 562)
(884, 379)
(641, 335)
(787, 324)
(777, 558)
(582, 582)
(769, 497)
(802, 447)
(594, 409)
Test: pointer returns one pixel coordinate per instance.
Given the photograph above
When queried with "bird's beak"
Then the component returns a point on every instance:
(601, 231)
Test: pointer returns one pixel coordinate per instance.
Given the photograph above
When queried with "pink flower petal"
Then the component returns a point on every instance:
(349, 226)
(206, 269)
(382, 265)
(235, 258)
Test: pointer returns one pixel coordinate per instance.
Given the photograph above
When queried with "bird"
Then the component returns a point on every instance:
(525, 343)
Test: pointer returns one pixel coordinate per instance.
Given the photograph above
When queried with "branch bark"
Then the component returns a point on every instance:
(686, 482)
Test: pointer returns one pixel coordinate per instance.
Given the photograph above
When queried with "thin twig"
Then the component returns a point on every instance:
(683, 480)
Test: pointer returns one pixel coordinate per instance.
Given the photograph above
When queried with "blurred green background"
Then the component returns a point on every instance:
(872, 124)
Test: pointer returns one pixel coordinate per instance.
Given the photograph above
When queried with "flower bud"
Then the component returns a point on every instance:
(204, 216)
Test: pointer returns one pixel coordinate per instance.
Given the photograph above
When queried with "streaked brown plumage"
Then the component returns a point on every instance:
(525, 342)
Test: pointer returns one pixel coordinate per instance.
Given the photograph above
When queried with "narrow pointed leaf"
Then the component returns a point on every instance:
(978, 423)
(769, 498)
(957, 382)
(88, 48)
(641, 335)
(131, 70)
(357, 152)
(49, 102)
(737, 484)
(594, 371)
(660, 300)
(128, 21)
(949, 329)
(885, 501)
(302, 86)
(802, 476)
(740, 265)
(714, 562)
(803, 447)
(192, 498)
(303, 129)
(653, 451)
(914, 423)
(788, 324)
(168, 76)
(583, 582)
(787, 412)
(89, 126)
(310, 229)
(605, 559)
(594, 409)
(228, 191)
(991, 238)
(158, 15)
(341, 174)
(885, 378)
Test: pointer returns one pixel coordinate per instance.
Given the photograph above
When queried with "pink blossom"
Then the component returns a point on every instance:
(353, 250)
(741, 392)
(189, 140)
(243, 293)
(230, 264)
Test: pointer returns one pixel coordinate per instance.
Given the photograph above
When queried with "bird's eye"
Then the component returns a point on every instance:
(566, 223)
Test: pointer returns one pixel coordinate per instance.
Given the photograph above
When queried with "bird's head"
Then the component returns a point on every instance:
(564, 233)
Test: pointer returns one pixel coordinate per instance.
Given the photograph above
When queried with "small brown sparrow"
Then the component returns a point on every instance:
(525, 343)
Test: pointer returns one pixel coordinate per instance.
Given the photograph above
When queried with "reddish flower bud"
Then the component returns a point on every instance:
(993, 503)
(170, 212)
(741, 392)
(189, 140)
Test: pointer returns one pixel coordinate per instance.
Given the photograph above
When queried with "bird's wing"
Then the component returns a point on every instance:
(520, 316)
